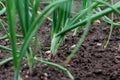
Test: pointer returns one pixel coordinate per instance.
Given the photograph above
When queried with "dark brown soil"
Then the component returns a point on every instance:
(92, 61)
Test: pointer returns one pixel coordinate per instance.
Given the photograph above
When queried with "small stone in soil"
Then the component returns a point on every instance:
(28, 72)
(25, 65)
(99, 44)
(44, 76)
(48, 52)
(73, 46)
(98, 71)
(6, 40)
(26, 76)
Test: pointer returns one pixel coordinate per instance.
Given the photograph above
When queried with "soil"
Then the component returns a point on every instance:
(92, 61)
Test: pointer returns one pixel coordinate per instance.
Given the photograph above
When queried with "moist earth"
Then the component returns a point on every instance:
(92, 61)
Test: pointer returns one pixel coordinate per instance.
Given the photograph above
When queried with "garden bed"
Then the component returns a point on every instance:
(92, 62)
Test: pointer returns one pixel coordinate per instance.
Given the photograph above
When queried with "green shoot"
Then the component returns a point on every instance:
(11, 12)
(60, 17)
(111, 28)
(83, 37)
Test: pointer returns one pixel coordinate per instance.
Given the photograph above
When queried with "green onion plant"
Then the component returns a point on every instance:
(61, 16)
(75, 23)
(30, 21)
